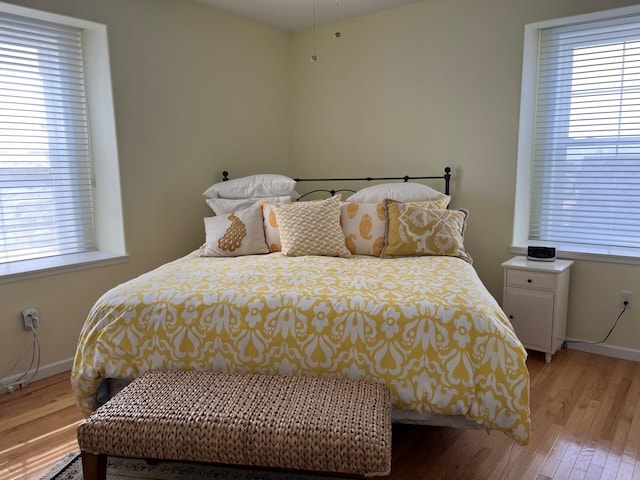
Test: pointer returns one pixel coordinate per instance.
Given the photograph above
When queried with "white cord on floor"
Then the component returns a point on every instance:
(35, 359)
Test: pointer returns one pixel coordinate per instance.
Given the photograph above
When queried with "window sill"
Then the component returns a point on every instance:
(594, 253)
(23, 270)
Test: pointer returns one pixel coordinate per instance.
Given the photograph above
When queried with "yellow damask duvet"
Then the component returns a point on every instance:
(425, 326)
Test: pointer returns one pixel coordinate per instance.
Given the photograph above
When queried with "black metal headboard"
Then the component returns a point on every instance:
(446, 177)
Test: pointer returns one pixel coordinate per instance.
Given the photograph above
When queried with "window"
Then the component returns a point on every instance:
(578, 186)
(54, 169)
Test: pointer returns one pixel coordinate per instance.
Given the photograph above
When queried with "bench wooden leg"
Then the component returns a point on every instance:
(94, 467)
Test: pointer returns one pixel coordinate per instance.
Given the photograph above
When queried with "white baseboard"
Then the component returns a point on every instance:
(606, 350)
(43, 372)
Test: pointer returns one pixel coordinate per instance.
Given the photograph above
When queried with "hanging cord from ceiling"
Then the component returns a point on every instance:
(337, 33)
(314, 56)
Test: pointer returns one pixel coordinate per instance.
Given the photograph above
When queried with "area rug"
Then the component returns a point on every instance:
(70, 468)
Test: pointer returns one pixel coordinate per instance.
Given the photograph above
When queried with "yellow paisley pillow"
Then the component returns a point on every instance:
(416, 230)
(363, 226)
(311, 228)
(235, 234)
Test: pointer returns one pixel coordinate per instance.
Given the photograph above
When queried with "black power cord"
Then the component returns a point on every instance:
(624, 309)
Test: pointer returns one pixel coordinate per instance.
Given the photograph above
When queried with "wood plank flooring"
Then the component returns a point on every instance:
(585, 426)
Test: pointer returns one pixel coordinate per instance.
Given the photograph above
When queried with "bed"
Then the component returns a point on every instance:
(423, 324)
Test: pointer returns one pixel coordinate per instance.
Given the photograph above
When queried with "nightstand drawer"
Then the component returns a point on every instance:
(529, 279)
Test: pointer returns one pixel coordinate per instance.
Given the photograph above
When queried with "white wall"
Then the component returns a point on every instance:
(195, 92)
(411, 90)
(406, 91)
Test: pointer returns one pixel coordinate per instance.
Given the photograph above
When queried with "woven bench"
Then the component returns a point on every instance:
(284, 422)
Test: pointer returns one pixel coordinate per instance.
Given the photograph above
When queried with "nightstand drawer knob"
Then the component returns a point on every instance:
(510, 317)
(529, 280)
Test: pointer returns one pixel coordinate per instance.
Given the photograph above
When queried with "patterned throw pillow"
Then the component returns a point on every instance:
(435, 204)
(415, 230)
(271, 229)
(235, 234)
(311, 228)
(363, 226)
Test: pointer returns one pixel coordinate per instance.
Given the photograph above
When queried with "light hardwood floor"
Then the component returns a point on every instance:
(585, 425)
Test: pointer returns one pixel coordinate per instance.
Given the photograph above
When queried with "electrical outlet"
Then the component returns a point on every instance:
(626, 297)
(31, 318)
(7, 389)
(12, 387)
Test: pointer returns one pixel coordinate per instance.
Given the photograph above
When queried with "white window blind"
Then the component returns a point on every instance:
(46, 205)
(585, 183)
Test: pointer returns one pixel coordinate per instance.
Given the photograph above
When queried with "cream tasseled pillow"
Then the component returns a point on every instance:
(311, 228)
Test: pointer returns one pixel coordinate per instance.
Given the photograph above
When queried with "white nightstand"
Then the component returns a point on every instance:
(535, 300)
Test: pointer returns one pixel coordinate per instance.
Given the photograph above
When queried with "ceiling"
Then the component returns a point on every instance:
(297, 15)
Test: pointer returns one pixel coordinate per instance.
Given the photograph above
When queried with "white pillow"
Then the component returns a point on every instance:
(220, 206)
(400, 192)
(236, 234)
(262, 185)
